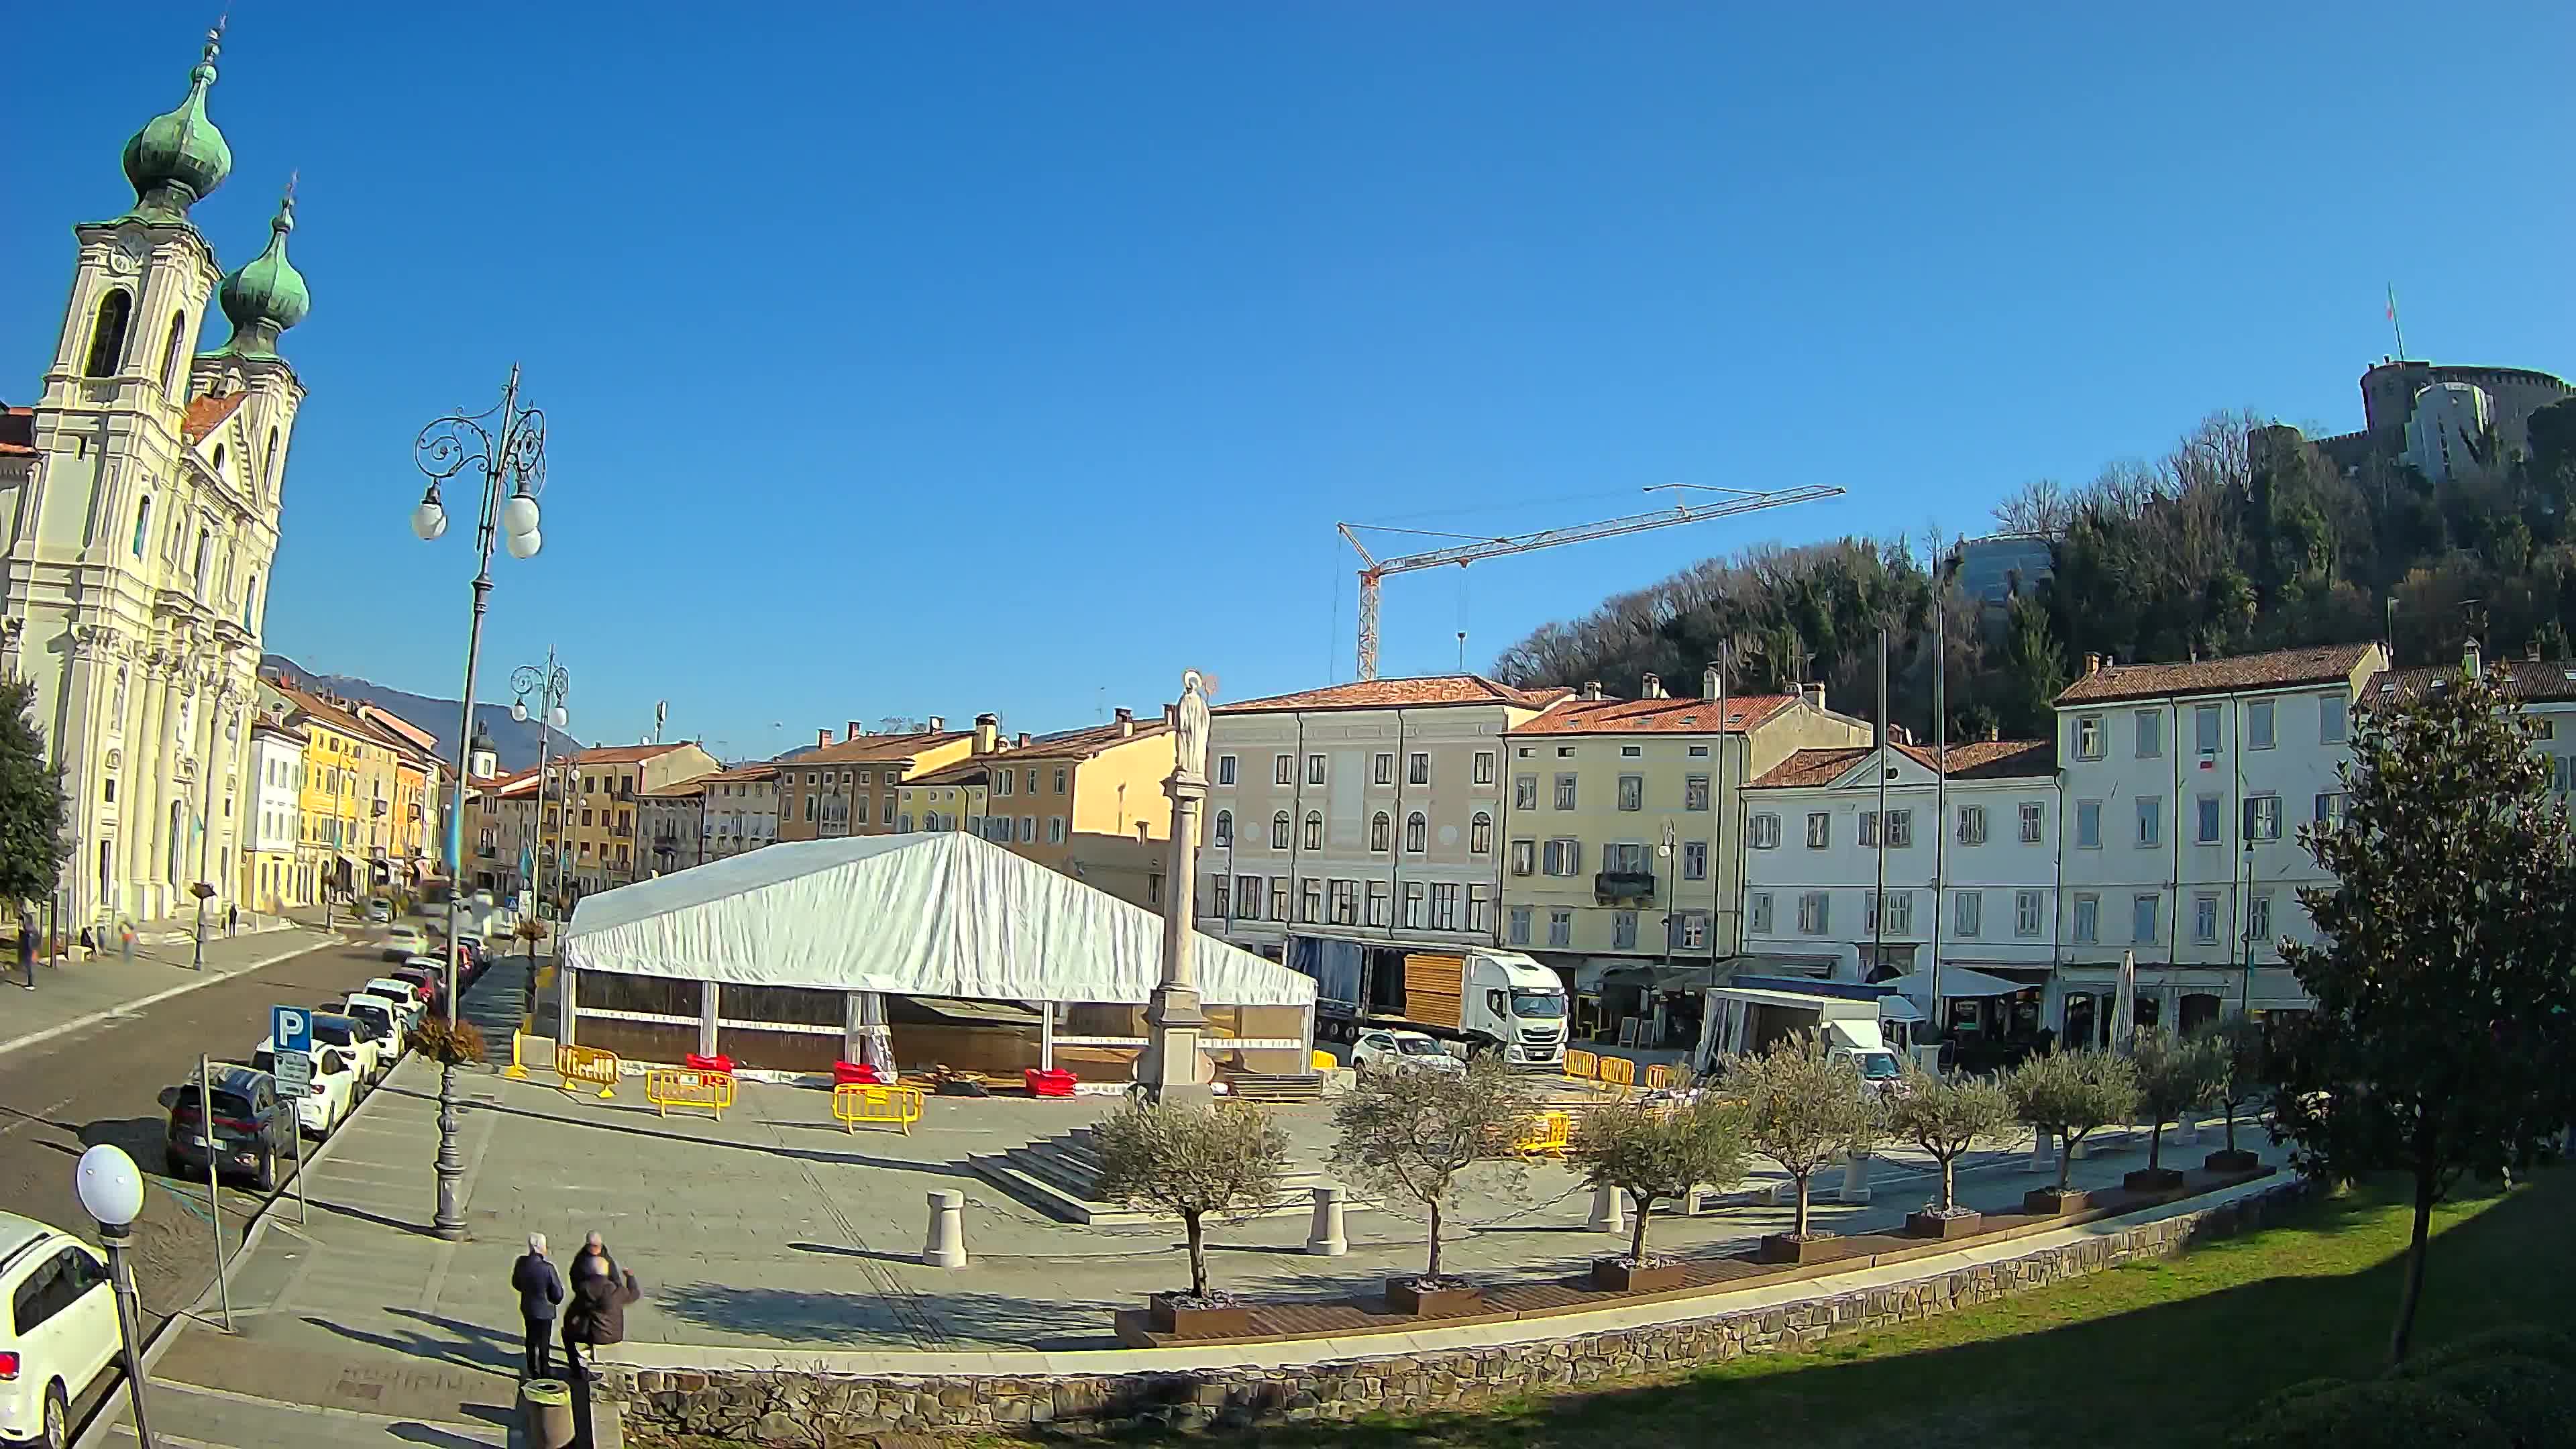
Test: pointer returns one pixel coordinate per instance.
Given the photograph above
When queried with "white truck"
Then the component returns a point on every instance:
(1750, 1013)
(1494, 1001)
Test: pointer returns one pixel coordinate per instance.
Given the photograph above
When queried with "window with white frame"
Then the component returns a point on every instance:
(1690, 930)
(1561, 857)
(1247, 897)
(2150, 727)
(2142, 919)
(1310, 900)
(1279, 898)
(1517, 926)
(1480, 834)
(1623, 858)
(1632, 792)
(1314, 830)
(2258, 918)
(1524, 857)
(1694, 860)
(1377, 899)
(1525, 792)
(2329, 808)
(2332, 719)
(1283, 770)
(2034, 821)
(2204, 918)
(1972, 825)
(1381, 832)
(1417, 769)
(1757, 913)
(2028, 909)
(1764, 832)
(2262, 817)
(1695, 792)
(1055, 830)
(1225, 827)
(2088, 737)
(1565, 792)
(1225, 769)
(1413, 905)
(1820, 830)
(1028, 830)
(1869, 830)
(2088, 824)
(2258, 724)
(1314, 769)
(2207, 815)
(1279, 828)
(1900, 913)
(1560, 928)
(2204, 728)
(1623, 930)
(1900, 829)
(1220, 898)
(1968, 914)
(1346, 903)
(1484, 767)
(1815, 913)
(2151, 820)
(1480, 907)
(2088, 918)
(1382, 769)
(1417, 833)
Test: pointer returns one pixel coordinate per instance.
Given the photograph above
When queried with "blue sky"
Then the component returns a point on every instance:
(926, 359)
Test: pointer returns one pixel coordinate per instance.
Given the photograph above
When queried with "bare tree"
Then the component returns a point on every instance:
(1804, 1107)
(1946, 1117)
(1409, 1132)
(1194, 1162)
(2040, 509)
(1655, 1152)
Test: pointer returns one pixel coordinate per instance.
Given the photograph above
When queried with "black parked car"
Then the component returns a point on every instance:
(254, 1128)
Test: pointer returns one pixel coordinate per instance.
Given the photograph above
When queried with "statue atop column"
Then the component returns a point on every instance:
(1190, 734)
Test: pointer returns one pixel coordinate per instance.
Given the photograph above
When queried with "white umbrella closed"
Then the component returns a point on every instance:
(2124, 1008)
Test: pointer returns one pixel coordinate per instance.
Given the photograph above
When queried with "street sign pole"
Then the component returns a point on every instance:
(214, 1184)
(290, 1038)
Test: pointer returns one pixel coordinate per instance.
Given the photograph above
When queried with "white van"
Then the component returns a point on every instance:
(60, 1331)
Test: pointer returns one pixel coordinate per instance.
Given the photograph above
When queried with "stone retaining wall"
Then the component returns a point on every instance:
(777, 1407)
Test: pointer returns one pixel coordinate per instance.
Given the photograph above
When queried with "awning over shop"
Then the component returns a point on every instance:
(1602, 971)
(942, 914)
(1956, 981)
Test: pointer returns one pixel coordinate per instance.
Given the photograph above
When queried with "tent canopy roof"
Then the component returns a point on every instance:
(938, 914)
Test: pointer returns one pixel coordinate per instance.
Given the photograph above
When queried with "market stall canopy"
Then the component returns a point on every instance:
(940, 914)
(1956, 981)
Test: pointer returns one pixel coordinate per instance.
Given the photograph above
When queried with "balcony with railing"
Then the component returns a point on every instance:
(1623, 885)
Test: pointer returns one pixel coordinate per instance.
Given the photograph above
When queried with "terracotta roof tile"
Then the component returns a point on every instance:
(205, 414)
(868, 749)
(973, 770)
(1970, 760)
(1085, 743)
(2530, 680)
(1653, 716)
(1427, 690)
(762, 770)
(2279, 669)
(626, 754)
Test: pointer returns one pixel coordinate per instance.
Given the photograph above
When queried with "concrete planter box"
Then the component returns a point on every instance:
(1924, 1225)
(1782, 1248)
(2042, 1202)
(1612, 1276)
(1402, 1296)
(2238, 1160)
(2152, 1179)
(1166, 1316)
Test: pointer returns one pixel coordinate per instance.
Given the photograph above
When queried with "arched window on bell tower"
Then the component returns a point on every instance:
(268, 467)
(174, 381)
(107, 335)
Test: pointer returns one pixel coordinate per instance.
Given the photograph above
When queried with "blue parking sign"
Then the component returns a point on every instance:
(290, 1028)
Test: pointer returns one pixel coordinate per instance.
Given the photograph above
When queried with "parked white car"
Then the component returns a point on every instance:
(398, 992)
(402, 942)
(332, 1095)
(60, 1332)
(370, 1007)
(1409, 1051)
(366, 1054)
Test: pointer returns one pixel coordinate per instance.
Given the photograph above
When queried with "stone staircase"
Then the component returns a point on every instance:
(1060, 1177)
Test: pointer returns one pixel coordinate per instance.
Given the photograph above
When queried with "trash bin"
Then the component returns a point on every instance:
(547, 1404)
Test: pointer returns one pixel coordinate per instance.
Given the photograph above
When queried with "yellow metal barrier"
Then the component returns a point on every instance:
(1582, 1064)
(1547, 1134)
(859, 1102)
(588, 1064)
(1658, 1078)
(1618, 1072)
(669, 1087)
(1325, 1062)
(523, 1046)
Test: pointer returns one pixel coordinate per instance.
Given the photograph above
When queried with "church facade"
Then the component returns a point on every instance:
(140, 494)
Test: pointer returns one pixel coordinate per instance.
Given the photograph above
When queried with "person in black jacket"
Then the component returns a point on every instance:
(597, 1313)
(540, 1288)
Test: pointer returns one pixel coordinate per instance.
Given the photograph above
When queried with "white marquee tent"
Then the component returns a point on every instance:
(943, 914)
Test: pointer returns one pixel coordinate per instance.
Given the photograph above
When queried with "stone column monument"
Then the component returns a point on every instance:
(1173, 1069)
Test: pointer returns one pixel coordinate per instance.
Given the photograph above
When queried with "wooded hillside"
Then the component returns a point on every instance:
(2241, 538)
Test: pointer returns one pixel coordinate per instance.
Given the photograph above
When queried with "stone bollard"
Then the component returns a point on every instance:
(547, 1407)
(2187, 1128)
(1609, 1211)
(947, 1245)
(1325, 1239)
(2043, 1152)
(1856, 1178)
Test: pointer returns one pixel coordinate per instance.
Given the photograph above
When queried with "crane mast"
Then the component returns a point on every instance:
(1470, 549)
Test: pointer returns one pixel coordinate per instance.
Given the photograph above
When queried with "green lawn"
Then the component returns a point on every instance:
(2160, 1354)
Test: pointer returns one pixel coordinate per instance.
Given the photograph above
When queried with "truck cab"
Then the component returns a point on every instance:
(1518, 1005)
(1492, 1000)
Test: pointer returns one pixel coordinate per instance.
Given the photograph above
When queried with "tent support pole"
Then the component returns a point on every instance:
(852, 1021)
(1306, 1030)
(565, 993)
(1046, 1036)
(710, 997)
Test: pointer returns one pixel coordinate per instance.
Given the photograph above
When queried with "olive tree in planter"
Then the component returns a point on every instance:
(2072, 1094)
(2174, 1076)
(1946, 1117)
(2237, 1056)
(1408, 1132)
(1653, 1153)
(1805, 1106)
(1194, 1162)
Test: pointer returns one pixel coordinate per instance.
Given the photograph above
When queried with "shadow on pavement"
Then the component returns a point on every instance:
(470, 1347)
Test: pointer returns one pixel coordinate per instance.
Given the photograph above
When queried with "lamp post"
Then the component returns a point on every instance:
(551, 684)
(111, 1191)
(2245, 992)
(506, 448)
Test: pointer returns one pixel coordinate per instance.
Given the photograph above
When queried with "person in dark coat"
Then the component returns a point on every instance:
(596, 1315)
(539, 1288)
(593, 1258)
(27, 942)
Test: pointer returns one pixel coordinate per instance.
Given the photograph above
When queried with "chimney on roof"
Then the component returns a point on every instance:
(1591, 689)
(1651, 687)
(1814, 694)
(1711, 683)
(850, 731)
(1126, 722)
(938, 723)
(822, 737)
(2092, 664)
(1024, 739)
(988, 730)
(2470, 664)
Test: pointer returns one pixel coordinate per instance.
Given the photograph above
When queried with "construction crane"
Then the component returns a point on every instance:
(1473, 548)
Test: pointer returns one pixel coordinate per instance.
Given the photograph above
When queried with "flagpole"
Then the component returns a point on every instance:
(2400, 327)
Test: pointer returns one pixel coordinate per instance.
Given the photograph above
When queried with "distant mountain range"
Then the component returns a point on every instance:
(514, 742)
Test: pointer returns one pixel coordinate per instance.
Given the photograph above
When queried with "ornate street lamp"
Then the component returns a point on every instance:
(551, 684)
(506, 448)
(111, 1191)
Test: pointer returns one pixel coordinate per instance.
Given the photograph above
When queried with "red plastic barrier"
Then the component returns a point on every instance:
(697, 1063)
(847, 1074)
(1057, 1083)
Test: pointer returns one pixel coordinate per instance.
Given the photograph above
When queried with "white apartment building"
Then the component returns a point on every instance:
(741, 809)
(1367, 811)
(1977, 891)
(2184, 787)
(274, 873)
